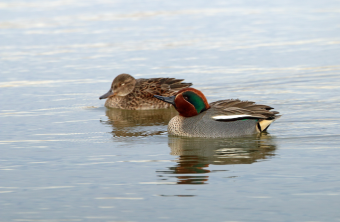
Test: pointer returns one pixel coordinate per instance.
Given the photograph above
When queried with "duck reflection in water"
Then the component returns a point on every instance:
(135, 123)
(196, 154)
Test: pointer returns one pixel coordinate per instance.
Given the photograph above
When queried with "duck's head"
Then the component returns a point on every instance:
(188, 102)
(122, 85)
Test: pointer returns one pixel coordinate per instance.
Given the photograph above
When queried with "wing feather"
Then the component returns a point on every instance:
(235, 109)
(162, 86)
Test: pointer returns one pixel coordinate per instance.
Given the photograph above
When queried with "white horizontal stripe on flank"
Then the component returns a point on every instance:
(230, 117)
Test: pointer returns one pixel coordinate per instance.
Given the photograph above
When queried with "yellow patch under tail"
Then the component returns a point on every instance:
(264, 124)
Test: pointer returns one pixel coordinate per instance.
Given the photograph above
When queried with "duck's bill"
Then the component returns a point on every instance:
(108, 94)
(170, 99)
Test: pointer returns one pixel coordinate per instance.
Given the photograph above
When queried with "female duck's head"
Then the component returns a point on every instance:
(188, 102)
(122, 85)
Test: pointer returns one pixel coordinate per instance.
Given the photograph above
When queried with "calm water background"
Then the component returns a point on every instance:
(65, 157)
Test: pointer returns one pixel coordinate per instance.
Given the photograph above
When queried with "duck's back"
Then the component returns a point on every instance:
(142, 96)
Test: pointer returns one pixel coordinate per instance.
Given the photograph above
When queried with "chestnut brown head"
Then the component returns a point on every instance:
(188, 102)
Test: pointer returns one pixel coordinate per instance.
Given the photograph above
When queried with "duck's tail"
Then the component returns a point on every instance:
(264, 124)
(178, 84)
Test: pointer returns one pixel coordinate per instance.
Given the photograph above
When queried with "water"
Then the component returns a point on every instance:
(65, 157)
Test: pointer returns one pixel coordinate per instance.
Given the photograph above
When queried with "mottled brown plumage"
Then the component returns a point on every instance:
(137, 94)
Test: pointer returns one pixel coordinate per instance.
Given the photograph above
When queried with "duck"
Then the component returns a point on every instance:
(224, 118)
(129, 93)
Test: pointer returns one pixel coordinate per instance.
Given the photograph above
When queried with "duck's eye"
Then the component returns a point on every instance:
(185, 97)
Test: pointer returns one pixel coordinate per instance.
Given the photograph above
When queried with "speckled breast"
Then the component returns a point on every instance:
(132, 102)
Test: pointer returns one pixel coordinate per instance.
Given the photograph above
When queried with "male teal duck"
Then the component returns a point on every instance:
(223, 118)
(137, 94)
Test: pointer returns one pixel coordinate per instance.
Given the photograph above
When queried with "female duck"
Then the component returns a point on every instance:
(136, 94)
(224, 118)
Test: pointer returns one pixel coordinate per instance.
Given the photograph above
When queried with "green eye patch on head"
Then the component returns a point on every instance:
(195, 100)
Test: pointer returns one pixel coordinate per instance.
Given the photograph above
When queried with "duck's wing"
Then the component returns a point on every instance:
(162, 86)
(234, 109)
